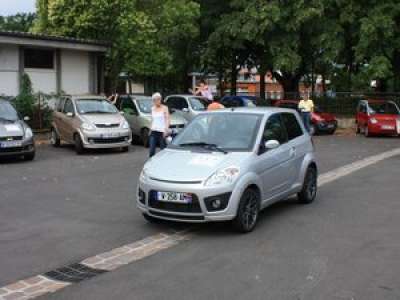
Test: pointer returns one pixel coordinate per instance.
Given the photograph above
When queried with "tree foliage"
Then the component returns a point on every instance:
(19, 22)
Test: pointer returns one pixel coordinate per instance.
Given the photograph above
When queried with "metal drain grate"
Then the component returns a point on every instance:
(74, 273)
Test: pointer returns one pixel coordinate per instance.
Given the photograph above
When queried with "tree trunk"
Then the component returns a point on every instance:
(263, 73)
(290, 84)
(233, 77)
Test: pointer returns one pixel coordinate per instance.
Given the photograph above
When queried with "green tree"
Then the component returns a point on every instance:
(19, 22)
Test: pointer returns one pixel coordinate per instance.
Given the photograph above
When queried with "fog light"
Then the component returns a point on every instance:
(216, 203)
(90, 141)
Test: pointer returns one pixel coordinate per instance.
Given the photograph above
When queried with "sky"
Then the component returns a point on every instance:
(11, 7)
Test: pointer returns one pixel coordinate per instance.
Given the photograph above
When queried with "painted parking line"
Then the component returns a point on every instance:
(60, 278)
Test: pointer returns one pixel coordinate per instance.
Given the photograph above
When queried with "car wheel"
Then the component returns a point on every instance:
(29, 157)
(248, 210)
(358, 130)
(78, 144)
(145, 137)
(310, 186)
(125, 149)
(150, 219)
(313, 129)
(55, 140)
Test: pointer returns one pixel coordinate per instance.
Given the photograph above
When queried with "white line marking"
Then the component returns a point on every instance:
(39, 285)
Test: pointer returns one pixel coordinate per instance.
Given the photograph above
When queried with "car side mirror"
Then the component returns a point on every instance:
(26, 118)
(271, 144)
(69, 114)
(122, 113)
(185, 110)
(172, 110)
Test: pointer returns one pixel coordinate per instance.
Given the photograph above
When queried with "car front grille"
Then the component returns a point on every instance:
(10, 138)
(107, 125)
(193, 207)
(109, 140)
(15, 149)
(179, 126)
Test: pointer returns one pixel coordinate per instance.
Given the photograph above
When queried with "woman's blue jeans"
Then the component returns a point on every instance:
(306, 120)
(156, 139)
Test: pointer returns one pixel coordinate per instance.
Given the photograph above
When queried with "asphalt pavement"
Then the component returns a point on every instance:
(63, 208)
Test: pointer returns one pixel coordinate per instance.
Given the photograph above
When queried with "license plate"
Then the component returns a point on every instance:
(10, 144)
(387, 127)
(174, 197)
(110, 135)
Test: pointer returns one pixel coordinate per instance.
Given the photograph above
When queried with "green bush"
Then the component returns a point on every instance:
(25, 101)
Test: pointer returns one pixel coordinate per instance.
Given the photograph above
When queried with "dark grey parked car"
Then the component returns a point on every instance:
(16, 137)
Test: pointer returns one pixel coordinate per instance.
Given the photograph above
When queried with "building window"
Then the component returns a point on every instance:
(38, 59)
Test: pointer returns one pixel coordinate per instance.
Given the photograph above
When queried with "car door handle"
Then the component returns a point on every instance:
(292, 152)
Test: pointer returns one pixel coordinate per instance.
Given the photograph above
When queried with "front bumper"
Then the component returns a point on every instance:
(107, 139)
(326, 126)
(389, 128)
(199, 214)
(27, 147)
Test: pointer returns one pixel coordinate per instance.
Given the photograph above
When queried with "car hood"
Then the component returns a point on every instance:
(14, 128)
(326, 116)
(102, 118)
(188, 166)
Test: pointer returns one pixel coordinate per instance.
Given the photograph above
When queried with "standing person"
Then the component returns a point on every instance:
(215, 105)
(160, 121)
(306, 107)
(204, 91)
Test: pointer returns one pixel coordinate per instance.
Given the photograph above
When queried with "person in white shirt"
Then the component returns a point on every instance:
(160, 121)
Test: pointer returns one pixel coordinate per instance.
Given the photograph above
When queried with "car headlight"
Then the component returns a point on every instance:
(28, 133)
(373, 121)
(143, 175)
(125, 125)
(224, 176)
(87, 126)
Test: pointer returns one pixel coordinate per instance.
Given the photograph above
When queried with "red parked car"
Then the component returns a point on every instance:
(378, 117)
(320, 122)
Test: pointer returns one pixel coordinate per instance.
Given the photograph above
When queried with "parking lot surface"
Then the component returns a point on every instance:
(63, 208)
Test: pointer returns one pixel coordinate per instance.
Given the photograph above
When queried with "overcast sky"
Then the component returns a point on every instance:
(11, 7)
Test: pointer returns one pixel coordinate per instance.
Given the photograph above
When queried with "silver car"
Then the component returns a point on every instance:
(89, 122)
(188, 106)
(228, 165)
(16, 137)
(137, 111)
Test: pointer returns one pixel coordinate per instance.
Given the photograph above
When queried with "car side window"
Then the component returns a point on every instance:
(363, 108)
(275, 130)
(60, 104)
(177, 103)
(68, 107)
(292, 125)
(127, 106)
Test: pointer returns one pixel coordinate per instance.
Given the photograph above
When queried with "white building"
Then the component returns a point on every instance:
(54, 64)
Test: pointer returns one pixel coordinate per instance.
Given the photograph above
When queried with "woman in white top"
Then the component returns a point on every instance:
(159, 124)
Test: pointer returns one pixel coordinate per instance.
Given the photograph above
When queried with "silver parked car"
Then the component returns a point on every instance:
(89, 122)
(228, 165)
(16, 137)
(188, 106)
(137, 111)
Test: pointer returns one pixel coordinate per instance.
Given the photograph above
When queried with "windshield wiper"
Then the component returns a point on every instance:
(212, 147)
(96, 112)
(7, 120)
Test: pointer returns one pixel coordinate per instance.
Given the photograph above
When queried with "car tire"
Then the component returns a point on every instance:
(145, 137)
(125, 149)
(310, 186)
(30, 156)
(55, 140)
(248, 211)
(150, 219)
(78, 144)
(358, 130)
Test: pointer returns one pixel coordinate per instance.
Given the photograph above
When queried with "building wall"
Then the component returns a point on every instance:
(44, 81)
(75, 72)
(9, 62)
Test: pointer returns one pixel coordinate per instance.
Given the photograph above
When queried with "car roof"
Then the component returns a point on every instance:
(88, 97)
(266, 110)
(185, 96)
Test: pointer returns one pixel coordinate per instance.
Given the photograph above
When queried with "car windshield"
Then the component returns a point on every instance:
(95, 106)
(222, 131)
(7, 112)
(145, 105)
(383, 108)
(198, 104)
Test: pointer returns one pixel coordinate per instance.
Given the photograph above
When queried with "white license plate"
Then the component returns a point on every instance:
(110, 135)
(387, 127)
(10, 144)
(174, 197)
